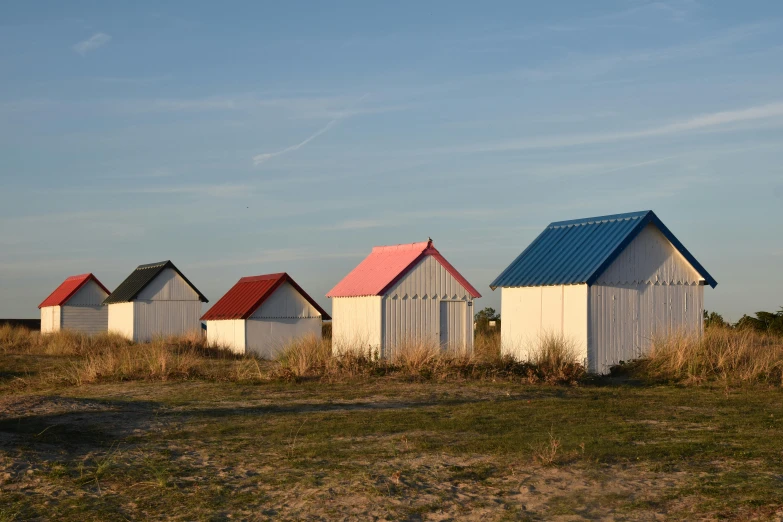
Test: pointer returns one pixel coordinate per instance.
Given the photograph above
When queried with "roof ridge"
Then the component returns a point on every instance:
(78, 276)
(154, 265)
(402, 246)
(601, 219)
(263, 277)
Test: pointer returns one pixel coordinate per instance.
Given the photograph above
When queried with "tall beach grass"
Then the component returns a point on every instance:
(720, 354)
(725, 355)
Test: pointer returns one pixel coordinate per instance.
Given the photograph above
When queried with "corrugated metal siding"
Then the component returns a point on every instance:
(162, 318)
(428, 277)
(268, 337)
(530, 312)
(649, 258)
(407, 319)
(356, 323)
(452, 324)
(86, 319)
(168, 285)
(90, 294)
(623, 319)
(229, 333)
(411, 308)
(287, 302)
(121, 319)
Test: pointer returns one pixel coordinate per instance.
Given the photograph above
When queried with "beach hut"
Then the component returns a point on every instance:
(75, 305)
(608, 285)
(261, 314)
(400, 294)
(155, 300)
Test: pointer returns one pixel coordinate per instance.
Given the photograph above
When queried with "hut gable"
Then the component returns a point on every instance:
(164, 286)
(168, 285)
(428, 278)
(286, 302)
(91, 294)
(650, 259)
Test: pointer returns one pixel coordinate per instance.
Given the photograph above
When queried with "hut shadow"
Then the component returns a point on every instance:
(53, 425)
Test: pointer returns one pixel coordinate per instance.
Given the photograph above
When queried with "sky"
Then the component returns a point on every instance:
(240, 139)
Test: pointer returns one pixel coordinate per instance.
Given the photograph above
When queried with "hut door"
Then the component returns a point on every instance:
(452, 324)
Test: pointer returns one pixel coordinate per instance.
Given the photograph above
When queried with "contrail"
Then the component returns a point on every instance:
(261, 158)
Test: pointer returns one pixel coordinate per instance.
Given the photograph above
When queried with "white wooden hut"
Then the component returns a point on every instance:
(607, 284)
(155, 300)
(261, 314)
(76, 305)
(400, 294)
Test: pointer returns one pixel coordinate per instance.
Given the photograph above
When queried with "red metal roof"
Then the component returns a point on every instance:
(388, 264)
(69, 287)
(249, 293)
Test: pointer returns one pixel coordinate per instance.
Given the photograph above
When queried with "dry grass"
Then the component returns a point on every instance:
(108, 357)
(723, 354)
(65, 342)
(305, 357)
(486, 346)
(554, 359)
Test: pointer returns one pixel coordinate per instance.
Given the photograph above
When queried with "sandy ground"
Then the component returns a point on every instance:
(40, 470)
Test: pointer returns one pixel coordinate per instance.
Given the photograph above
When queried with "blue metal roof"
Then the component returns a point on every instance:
(578, 251)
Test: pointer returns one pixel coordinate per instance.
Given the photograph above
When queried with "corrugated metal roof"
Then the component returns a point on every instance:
(249, 293)
(386, 265)
(579, 250)
(68, 288)
(140, 278)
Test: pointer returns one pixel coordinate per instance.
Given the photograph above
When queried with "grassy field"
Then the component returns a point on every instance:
(396, 446)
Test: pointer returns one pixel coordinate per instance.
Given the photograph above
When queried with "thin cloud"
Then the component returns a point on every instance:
(94, 42)
(273, 256)
(698, 123)
(359, 224)
(230, 190)
(261, 158)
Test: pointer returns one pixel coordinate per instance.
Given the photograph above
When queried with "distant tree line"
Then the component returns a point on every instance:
(765, 322)
(483, 319)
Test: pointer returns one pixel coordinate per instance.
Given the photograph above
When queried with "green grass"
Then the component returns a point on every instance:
(99, 429)
(204, 450)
